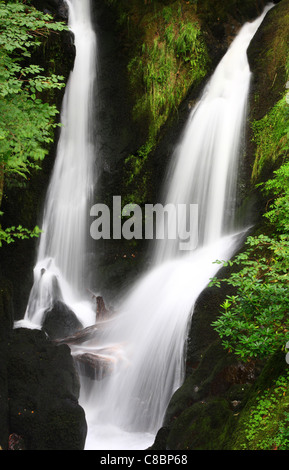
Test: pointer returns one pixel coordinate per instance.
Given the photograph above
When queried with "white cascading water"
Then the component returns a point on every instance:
(60, 272)
(146, 340)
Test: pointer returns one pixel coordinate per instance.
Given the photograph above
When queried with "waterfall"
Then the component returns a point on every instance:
(145, 341)
(205, 164)
(60, 271)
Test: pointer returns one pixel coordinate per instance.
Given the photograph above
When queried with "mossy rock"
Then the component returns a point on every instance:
(268, 55)
(219, 374)
(203, 426)
(224, 18)
(275, 367)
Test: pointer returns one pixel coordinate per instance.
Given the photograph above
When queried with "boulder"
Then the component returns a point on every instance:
(60, 321)
(43, 390)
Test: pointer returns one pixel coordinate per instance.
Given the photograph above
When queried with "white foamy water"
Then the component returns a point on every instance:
(146, 339)
(60, 271)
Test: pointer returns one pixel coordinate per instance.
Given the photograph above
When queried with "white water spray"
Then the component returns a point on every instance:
(60, 271)
(145, 342)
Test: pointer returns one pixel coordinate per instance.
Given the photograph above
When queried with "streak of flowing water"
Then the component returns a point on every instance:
(145, 341)
(60, 271)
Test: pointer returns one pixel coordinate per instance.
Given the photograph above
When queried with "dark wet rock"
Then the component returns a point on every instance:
(60, 321)
(94, 366)
(43, 390)
(6, 322)
(203, 426)
(56, 8)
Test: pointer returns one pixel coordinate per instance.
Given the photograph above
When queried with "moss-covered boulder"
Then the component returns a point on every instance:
(202, 413)
(203, 426)
(263, 422)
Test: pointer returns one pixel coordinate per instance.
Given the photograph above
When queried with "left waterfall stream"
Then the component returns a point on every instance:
(60, 272)
(61, 291)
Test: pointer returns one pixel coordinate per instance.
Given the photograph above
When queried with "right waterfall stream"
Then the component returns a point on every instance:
(145, 341)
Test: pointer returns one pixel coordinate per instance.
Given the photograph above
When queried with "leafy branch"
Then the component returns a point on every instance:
(27, 121)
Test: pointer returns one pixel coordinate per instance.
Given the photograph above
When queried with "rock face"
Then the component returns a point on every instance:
(43, 390)
(39, 388)
(267, 55)
(57, 8)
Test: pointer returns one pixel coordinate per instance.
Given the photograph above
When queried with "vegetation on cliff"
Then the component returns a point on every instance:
(27, 119)
(254, 321)
(167, 54)
(170, 46)
(253, 325)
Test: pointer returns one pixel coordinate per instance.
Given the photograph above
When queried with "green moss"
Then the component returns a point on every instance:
(203, 426)
(268, 55)
(172, 57)
(167, 56)
(263, 423)
(271, 137)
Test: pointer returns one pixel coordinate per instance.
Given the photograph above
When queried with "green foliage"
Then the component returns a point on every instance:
(278, 188)
(255, 321)
(166, 67)
(27, 121)
(12, 233)
(271, 135)
(135, 162)
(267, 426)
(161, 73)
